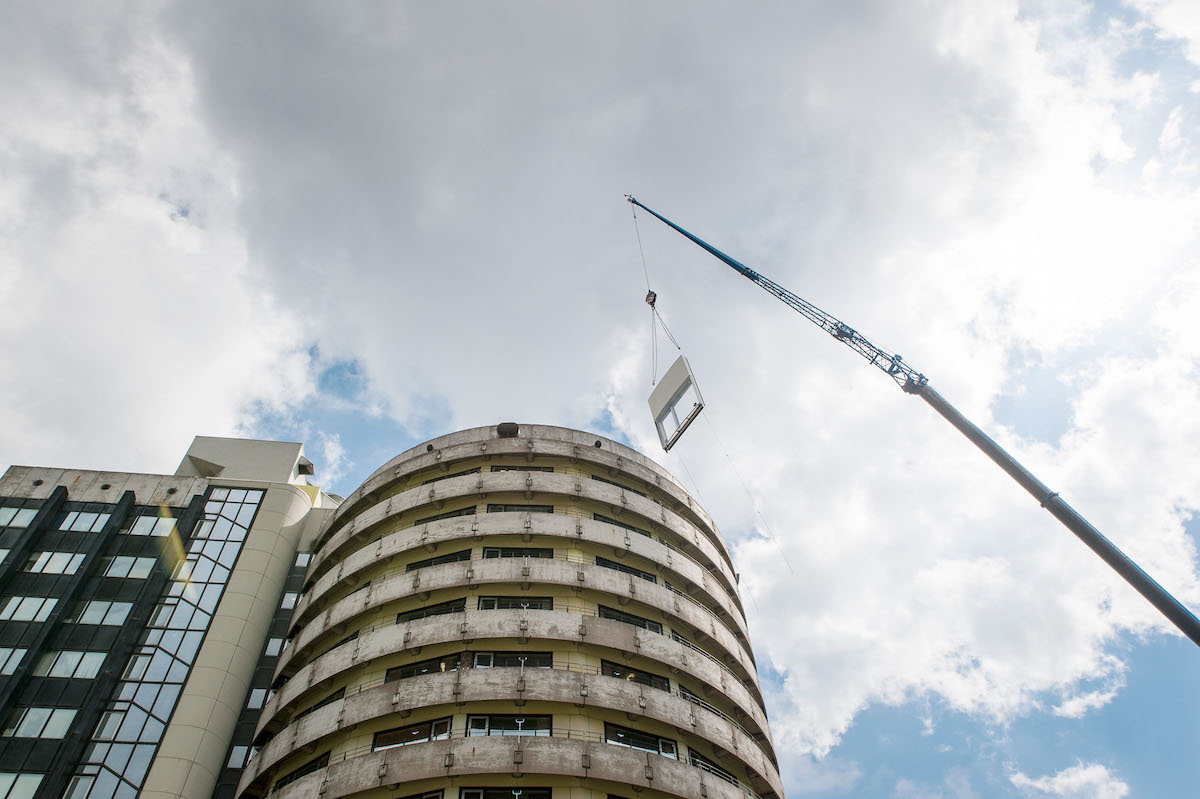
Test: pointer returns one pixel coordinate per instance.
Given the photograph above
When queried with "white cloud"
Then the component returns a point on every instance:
(1090, 781)
(333, 460)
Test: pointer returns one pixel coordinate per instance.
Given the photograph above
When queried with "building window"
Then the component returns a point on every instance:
(521, 468)
(27, 608)
(634, 675)
(645, 741)
(618, 485)
(303, 559)
(308, 768)
(4, 554)
(289, 600)
(436, 730)
(516, 603)
(440, 609)
(18, 785)
(17, 517)
(154, 526)
(531, 660)
(450, 514)
(9, 659)
(99, 611)
(609, 520)
(497, 724)
(127, 567)
(621, 567)
(237, 756)
(431, 666)
(38, 722)
(701, 762)
(509, 508)
(274, 647)
(83, 521)
(449, 557)
(463, 473)
(329, 700)
(258, 698)
(54, 562)
(629, 618)
(518, 552)
(70, 663)
(515, 792)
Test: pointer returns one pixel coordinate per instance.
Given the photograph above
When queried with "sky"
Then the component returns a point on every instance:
(363, 225)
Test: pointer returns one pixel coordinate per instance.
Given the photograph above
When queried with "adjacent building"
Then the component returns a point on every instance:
(510, 612)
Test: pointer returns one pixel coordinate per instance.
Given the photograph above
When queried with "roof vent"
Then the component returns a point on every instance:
(507, 429)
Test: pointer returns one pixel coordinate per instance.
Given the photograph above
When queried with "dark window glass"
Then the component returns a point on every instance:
(436, 730)
(701, 762)
(442, 608)
(448, 476)
(618, 485)
(449, 557)
(450, 514)
(533, 660)
(520, 468)
(516, 603)
(497, 724)
(609, 520)
(636, 739)
(431, 666)
(621, 567)
(634, 675)
(504, 793)
(518, 552)
(503, 508)
(308, 768)
(629, 618)
(333, 697)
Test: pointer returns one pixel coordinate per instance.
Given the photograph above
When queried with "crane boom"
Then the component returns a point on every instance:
(913, 382)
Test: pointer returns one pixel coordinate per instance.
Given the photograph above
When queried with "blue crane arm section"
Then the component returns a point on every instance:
(915, 383)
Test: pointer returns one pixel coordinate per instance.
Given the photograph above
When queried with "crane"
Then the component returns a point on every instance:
(915, 383)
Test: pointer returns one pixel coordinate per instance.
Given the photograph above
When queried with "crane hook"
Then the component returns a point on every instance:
(651, 298)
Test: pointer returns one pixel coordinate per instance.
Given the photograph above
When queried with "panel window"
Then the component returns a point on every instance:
(531, 660)
(645, 741)
(303, 559)
(623, 525)
(70, 663)
(19, 785)
(618, 485)
(449, 557)
(634, 675)
(4, 554)
(17, 517)
(308, 768)
(128, 567)
(274, 647)
(436, 730)
(450, 514)
(521, 468)
(329, 700)
(289, 600)
(463, 473)
(237, 756)
(518, 552)
(629, 618)
(621, 567)
(514, 792)
(440, 609)
(701, 762)
(84, 521)
(99, 611)
(516, 603)
(154, 526)
(430, 666)
(54, 562)
(27, 608)
(258, 698)
(503, 724)
(510, 508)
(38, 722)
(10, 658)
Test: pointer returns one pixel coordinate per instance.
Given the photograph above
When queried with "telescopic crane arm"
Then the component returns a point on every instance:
(913, 382)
